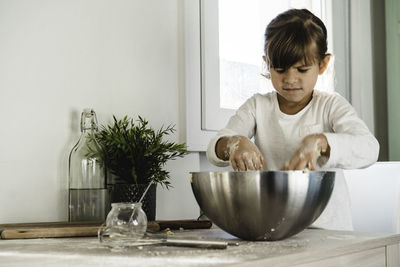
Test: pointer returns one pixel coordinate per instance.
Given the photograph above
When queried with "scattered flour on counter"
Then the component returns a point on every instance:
(340, 237)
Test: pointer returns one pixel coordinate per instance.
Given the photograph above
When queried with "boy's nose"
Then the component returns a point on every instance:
(290, 77)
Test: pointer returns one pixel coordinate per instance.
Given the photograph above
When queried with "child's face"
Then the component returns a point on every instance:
(296, 84)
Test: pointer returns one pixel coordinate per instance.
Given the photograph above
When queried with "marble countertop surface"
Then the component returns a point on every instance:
(309, 245)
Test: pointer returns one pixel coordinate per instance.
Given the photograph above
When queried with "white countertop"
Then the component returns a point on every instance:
(309, 245)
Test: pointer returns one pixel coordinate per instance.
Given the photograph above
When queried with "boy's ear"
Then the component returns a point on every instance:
(324, 64)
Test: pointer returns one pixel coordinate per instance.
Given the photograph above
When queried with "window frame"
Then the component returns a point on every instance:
(196, 138)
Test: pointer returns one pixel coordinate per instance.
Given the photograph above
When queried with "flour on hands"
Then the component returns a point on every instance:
(306, 156)
(243, 154)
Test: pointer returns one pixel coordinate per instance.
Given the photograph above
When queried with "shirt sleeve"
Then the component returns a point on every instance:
(242, 123)
(351, 143)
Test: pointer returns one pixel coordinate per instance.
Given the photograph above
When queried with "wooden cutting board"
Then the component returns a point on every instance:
(81, 229)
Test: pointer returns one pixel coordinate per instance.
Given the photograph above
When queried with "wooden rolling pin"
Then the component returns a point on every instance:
(185, 224)
(81, 229)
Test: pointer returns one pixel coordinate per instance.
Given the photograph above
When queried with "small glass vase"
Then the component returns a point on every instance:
(125, 224)
(123, 192)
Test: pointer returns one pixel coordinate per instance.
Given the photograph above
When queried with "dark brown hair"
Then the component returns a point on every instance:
(294, 35)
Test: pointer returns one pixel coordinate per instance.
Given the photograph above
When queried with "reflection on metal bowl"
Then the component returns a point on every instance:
(263, 205)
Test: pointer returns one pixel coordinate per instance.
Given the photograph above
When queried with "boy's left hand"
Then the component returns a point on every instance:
(306, 155)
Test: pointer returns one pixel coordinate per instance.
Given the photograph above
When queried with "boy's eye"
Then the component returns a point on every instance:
(280, 70)
(302, 70)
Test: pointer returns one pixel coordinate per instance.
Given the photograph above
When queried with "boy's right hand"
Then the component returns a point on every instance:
(243, 154)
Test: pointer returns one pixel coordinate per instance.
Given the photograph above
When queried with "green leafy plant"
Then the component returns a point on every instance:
(136, 152)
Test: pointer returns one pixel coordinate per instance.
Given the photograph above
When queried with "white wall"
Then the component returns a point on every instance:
(58, 57)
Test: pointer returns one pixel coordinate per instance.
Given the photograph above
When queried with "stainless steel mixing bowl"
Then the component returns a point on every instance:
(262, 205)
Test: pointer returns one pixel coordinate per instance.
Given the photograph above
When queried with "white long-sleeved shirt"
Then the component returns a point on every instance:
(278, 135)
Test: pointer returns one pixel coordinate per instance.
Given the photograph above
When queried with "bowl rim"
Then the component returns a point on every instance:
(269, 171)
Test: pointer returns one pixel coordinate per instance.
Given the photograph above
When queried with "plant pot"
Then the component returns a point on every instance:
(132, 193)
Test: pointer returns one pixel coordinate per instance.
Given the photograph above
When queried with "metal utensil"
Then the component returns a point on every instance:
(165, 239)
(262, 205)
(122, 242)
(196, 243)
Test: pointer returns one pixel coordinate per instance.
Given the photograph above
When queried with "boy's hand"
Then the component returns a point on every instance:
(241, 152)
(306, 156)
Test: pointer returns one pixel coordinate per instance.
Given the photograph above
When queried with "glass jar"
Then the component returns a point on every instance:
(125, 223)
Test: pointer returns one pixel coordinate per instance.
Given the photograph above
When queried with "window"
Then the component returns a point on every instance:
(241, 45)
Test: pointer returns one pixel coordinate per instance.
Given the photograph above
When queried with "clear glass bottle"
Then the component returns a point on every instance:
(88, 196)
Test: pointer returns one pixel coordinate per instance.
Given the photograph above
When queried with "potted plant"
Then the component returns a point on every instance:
(135, 155)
